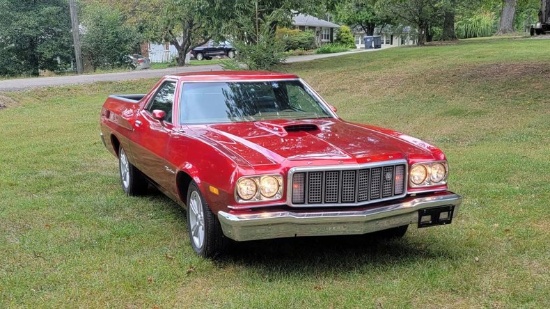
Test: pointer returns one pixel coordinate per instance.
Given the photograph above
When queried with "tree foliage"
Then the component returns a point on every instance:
(106, 38)
(362, 14)
(419, 13)
(34, 35)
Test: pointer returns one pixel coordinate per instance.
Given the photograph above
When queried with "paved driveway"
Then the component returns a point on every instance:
(29, 83)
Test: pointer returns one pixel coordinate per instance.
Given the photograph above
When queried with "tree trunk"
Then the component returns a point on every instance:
(422, 28)
(507, 17)
(369, 28)
(449, 26)
(33, 57)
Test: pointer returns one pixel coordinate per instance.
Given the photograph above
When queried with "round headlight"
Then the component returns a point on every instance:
(438, 172)
(269, 186)
(246, 188)
(418, 174)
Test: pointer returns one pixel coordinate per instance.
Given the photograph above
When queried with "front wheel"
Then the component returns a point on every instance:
(231, 54)
(199, 56)
(205, 232)
(132, 180)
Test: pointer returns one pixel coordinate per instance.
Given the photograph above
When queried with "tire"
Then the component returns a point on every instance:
(199, 56)
(132, 180)
(393, 233)
(231, 54)
(205, 232)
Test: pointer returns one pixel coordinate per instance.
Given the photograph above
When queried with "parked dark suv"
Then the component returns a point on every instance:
(213, 49)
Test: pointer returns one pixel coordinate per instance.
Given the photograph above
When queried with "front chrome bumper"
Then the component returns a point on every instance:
(299, 222)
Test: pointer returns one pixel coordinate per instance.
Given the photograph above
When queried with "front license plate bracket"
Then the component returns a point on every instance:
(435, 216)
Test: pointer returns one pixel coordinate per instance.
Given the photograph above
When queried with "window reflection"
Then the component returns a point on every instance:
(164, 100)
(211, 102)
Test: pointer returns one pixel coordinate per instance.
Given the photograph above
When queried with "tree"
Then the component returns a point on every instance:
(449, 21)
(421, 13)
(107, 39)
(184, 24)
(35, 35)
(252, 26)
(507, 16)
(360, 13)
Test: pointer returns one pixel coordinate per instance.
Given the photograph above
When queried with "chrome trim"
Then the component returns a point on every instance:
(102, 139)
(346, 167)
(282, 224)
(441, 183)
(258, 197)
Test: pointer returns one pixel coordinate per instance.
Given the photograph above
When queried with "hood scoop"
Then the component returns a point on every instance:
(303, 127)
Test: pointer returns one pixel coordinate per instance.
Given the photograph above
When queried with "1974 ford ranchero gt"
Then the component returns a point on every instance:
(260, 155)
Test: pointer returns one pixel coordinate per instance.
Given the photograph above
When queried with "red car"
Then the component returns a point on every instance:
(260, 155)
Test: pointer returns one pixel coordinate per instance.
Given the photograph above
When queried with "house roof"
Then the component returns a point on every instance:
(310, 21)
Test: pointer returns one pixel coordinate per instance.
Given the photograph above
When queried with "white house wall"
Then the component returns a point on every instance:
(159, 54)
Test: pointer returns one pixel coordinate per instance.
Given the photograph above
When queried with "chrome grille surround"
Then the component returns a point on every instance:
(347, 185)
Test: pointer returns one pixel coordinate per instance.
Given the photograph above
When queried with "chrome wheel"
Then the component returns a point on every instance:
(205, 232)
(196, 220)
(200, 56)
(124, 170)
(132, 180)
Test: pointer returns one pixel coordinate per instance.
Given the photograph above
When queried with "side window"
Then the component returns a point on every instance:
(164, 99)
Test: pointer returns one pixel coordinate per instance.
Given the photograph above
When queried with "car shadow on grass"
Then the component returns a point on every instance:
(334, 253)
(340, 253)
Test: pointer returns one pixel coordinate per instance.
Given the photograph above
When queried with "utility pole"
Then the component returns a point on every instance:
(76, 36)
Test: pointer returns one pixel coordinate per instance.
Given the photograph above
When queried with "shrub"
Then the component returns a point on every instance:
(294, 39)
(344, 36)
(482, 24)
(332, 48)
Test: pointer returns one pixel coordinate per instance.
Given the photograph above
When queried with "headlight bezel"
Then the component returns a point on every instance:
(432, 177)
(262, 191)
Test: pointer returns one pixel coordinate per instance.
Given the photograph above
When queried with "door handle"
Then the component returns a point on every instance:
(137, 123)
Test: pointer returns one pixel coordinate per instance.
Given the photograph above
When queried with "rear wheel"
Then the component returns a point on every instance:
(199, 56)
(231, 54)
(205, 232)
(132, 180)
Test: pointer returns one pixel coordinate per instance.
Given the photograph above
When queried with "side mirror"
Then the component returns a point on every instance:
(332, 108)
(159, 115)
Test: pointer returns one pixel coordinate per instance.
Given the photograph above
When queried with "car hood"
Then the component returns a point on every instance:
(273, 142)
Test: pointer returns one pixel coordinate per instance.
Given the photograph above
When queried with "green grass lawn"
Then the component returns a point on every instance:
(70, 238)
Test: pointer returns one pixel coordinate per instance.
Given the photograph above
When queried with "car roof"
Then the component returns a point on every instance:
(231, 76)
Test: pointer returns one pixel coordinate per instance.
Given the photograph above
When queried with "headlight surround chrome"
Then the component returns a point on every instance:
(427, 174)
(259, 188)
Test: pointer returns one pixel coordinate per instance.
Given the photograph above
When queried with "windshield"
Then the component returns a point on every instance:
(214, 102)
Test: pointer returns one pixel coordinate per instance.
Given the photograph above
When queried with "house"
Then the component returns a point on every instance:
(390, 35)
(324, 30)
(324, 33)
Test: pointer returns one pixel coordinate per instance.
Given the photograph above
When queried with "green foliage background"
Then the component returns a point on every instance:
(34, 35)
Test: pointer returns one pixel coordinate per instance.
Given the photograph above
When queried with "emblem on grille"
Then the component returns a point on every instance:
(388, 176)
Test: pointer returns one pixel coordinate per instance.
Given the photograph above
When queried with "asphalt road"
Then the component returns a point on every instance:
(37, 82)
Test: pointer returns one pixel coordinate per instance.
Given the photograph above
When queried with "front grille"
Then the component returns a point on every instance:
(348, 186)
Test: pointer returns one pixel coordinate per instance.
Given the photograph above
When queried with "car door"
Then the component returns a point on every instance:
(154, 134)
